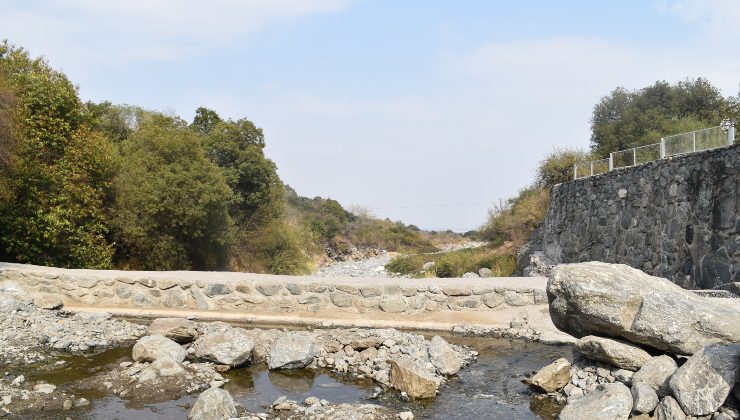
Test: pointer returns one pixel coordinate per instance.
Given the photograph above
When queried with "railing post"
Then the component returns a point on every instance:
(731, 134)
(634, 156)
(611, 161)
(575, 171)
(662, 148)
(693, 135)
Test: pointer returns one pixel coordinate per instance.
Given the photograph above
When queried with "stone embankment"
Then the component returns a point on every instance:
(646, 348)
(490, 304)
(676, 218)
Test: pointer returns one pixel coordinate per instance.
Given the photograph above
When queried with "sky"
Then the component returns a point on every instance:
(425, 111)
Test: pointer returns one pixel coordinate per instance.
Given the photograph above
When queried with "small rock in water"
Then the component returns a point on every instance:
(311, 401)
(82, 402)
(18, 380)
(44, 388)
(406, 415)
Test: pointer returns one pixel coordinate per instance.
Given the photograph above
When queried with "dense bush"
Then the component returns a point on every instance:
(501, 260)
(171, 202)
(57, 176)
(625, 119)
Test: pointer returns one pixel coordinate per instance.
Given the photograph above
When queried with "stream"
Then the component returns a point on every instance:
(489, 388)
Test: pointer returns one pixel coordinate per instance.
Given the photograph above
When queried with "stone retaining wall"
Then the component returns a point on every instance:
(250, 292)
(676, 218)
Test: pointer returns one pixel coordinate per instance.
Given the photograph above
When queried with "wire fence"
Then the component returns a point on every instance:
(679, 144)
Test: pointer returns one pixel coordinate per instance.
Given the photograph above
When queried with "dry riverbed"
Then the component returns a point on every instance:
(58, 364)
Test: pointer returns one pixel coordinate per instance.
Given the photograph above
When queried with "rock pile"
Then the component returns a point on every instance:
(407, 362)
(675, 355)
(28, 332)
(217, 404)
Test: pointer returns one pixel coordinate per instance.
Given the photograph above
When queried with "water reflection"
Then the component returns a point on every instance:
(490, 388)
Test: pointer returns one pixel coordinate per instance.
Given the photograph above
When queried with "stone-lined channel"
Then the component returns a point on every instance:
(491, 387)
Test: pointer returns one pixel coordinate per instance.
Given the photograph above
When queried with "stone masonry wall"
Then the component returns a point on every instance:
(676, 218)
(244, 292)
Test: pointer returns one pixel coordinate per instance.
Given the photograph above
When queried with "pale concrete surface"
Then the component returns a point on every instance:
(227, 276)
(537, 315)
(449, 303)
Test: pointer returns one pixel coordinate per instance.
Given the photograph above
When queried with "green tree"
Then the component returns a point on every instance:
(626, 119)
(171, 202)
(60, 174)
(237, 148)
(117, 122)
(205, 120)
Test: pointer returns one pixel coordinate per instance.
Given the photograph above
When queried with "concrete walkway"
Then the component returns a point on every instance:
(502, 304)
(229, 276)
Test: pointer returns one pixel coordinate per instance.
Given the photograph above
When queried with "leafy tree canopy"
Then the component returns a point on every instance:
(237, 148)
(626, 119)
(171, 208)
(60, 172)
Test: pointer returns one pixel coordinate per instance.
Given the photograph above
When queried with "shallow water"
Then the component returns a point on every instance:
(490, 388)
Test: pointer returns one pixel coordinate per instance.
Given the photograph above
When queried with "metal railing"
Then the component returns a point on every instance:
(679, 144)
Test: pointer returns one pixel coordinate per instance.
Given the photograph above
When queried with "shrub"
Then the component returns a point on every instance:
(501, 260)
(171, 203)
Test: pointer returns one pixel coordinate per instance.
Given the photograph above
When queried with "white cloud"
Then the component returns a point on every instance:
(719, 18)
(84, 33)
(504, 106)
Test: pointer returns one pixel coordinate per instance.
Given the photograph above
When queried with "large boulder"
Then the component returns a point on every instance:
(213, 404)
(615, 300)
(444, 357)
(231, 346)
(656, 372)
(608, 401)
(163, 367)
(644, 398)
(669, 409)
(414, 380)
(614, 352)
(552, 377)
(48, 301)
(703, 383)
(291, 351)
(153, 347)
(180, 330)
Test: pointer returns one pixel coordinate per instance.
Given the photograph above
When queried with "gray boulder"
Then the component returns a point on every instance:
(291, 351)
(48, 301)
(656, 372)
(608, 401)
(231, 346)
(163, 367)
(409, 377)
(485, 272)
(644, 398)
(153, 347)
(176, 329)
(614, 352)
(669, 409)
(703, 383)
(552, 377)
(444, 357)
(615, 300)
(213, 404)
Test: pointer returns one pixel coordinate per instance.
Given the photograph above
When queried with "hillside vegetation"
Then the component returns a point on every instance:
(620, 120)
(100, 185)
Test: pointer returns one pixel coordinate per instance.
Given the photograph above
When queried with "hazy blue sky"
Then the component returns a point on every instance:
(426, 111)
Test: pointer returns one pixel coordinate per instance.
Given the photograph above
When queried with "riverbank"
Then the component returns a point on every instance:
(508, 307)
(98, 374)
